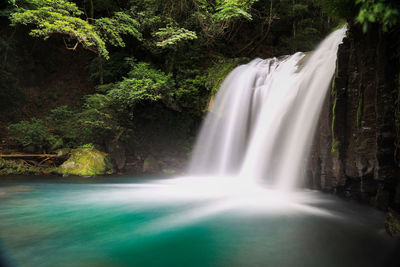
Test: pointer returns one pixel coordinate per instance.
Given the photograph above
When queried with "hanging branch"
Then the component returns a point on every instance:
(71, 48)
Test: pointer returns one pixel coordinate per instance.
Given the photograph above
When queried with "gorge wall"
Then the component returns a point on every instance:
(354, 152)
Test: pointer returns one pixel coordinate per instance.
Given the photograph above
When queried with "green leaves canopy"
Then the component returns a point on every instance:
(143, 83)
(384, 12)
(63, 17)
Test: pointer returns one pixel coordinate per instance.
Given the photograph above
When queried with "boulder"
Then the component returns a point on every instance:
(63, 152)
(116, 150)
(150, 165)
(86, 162)
(392, 223)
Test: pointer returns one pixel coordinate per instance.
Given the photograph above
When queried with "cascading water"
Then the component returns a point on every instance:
(264, 116)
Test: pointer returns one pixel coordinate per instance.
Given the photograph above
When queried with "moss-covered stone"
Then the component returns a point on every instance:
(169, 171)
(86, 162)
(150, 165)
(63, 152)
(392, 223)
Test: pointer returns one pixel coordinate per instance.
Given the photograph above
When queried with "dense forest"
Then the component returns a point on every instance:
(133, 74)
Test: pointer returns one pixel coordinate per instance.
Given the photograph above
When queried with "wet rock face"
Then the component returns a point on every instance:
(117, 153)
(354, 148)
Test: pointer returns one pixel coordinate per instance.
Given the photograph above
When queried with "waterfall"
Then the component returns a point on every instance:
(261, 125)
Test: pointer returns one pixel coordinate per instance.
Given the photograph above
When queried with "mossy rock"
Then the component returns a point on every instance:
(63, 152)
(86, 162)
(169, 171)
(150, 165)
(392, 223)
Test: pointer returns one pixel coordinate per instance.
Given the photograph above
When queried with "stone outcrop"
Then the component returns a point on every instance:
(354, 152)
(117, 153)
(392, 223)
(150, 165)
(86, 162)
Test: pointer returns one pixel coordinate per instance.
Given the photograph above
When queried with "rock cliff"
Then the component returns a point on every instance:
(354, 152)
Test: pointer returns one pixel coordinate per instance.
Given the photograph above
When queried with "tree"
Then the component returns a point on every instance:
(365, 12)
(62, 17)
(384, 12)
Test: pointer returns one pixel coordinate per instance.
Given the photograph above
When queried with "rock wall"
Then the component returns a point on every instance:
(354, 152)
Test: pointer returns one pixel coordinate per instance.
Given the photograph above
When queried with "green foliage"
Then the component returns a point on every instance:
(101, 118)
(147, 14)
(60, 17)
(63, 17)
(20, 167)
(304, 38)
(63, 123)
(65, 127)
(31, 134)
(335, 142)
(7, 8)
(216, 20)
(190, 79)
(171, 23)
(113, 69)
(384, 12)
(144, 83)
(90, 145)
(342, 9)
(232, 9)
(298, 24)
(190, 90)
(112, 29)
(171, 36)
(182, 58)
(217, 73)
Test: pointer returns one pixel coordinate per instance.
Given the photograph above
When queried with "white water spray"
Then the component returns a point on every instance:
(264, 117)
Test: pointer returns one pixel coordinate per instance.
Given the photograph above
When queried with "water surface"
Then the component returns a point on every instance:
(182, 222)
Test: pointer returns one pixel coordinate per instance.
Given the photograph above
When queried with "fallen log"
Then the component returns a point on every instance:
(31, 156)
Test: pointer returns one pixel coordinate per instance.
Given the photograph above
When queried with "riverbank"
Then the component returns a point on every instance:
(37, 165)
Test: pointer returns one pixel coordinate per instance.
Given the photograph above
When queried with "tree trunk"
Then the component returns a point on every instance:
(91, 12)
(8, 46)
(101, 73)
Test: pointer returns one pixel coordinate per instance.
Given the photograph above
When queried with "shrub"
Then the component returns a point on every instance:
(143, 83)
(32, 134)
